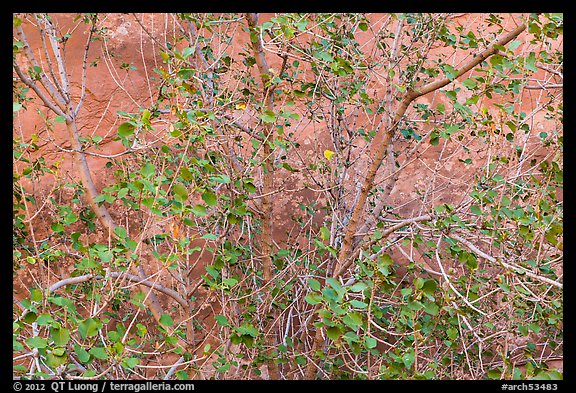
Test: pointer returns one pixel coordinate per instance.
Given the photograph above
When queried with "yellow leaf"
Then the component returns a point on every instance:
(241, 105)
(328, 154)
(175, 230)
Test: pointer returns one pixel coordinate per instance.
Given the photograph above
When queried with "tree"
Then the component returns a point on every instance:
(302, 196)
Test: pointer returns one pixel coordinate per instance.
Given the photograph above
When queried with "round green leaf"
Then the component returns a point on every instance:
(166, 320)
(180, 193)
(126, 129)
(147, 170)
(210, 198)
(333, 333)
(89, 327)
(199, 210)
(99, 353)
(370, 342)
(36, 342)
(222, 320)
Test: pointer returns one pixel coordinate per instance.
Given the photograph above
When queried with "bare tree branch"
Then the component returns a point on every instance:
(130, 277)
(268, 181)
(381, 141)
(499, 261)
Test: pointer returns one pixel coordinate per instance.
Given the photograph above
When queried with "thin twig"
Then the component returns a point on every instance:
(447, 279)
(499, 261)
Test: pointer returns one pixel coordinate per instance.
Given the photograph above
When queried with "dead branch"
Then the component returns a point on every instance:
(130, 277)
(499, 261)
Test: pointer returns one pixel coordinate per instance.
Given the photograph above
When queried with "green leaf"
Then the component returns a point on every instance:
(249, 187)
(142, 330)
(268, 116)
(29, 317)
(358, 304)
(470, 83)
(334, 283)
(449, 71)
(471, 262)
(359, 287)
(247, 329)
(370, 342)
(415, 305)
(353, 320)
(147, 170)
(324, 233)
(408, 358)
(54, 360)
(105, 256)
(222, 320)
(44, 320)
(126, 129)
(146, 115)
(474, 209)
(166, 320)
(81, 353)
(36, 342)
(363, 26)
(180, 193)
(121, 232)
(57, 227)
(89, 327)
(36, 295)
(59, 351)
(187, 52)
(221, 179)
(288, 167)
(333, 333)
(186, 73)
(16, 346)
(314, 284)
(70, 218)
(60, 336)
(514, 44)
(534, 327)
(322, 55)
(523, 329)
(429, 286)
(531, 62)
(313, 298)
(130, 363)
(199, 210)
(210, 198)
(230, 281)
(472, 100)
(185, 174)
(452, 333)
(59, 119)
(431, 308)
(131, 244)
(99, 353)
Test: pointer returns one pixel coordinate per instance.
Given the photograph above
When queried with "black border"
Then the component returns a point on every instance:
(310, 6)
